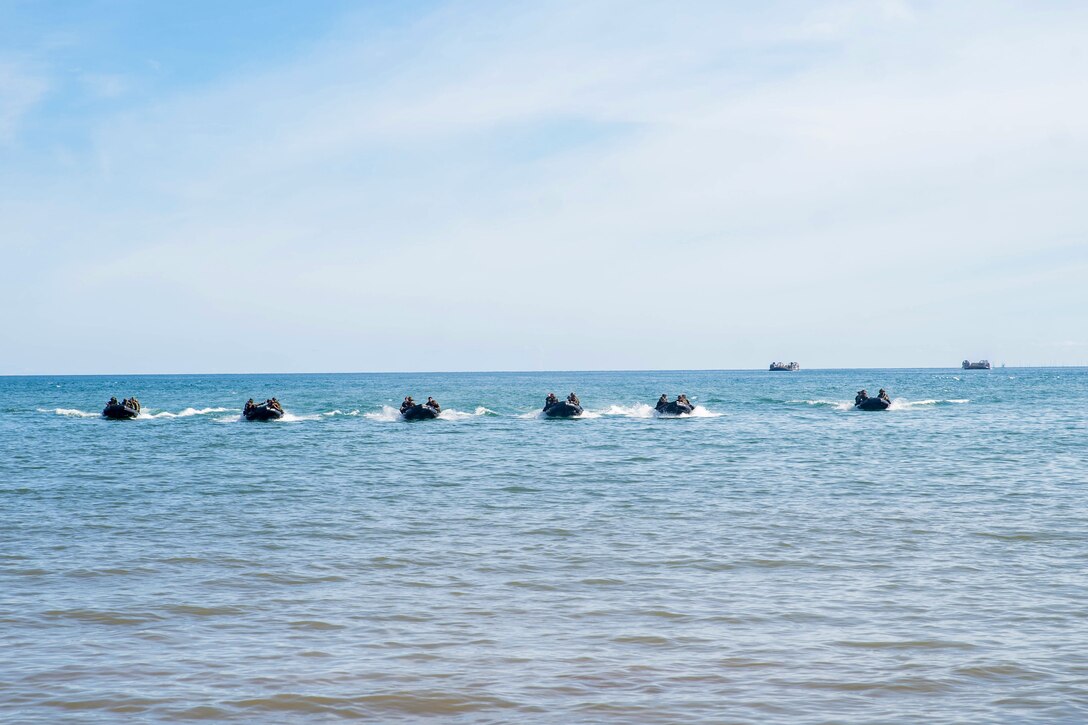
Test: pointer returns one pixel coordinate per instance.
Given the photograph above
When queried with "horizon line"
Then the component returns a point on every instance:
(495, 372)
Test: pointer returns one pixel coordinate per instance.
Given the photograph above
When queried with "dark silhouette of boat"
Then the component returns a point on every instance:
(673, 407)
(562, 409)
(862, 401)
(419, 411)
(980, 365)
(781, 367)
(268, 410)
(125, 410)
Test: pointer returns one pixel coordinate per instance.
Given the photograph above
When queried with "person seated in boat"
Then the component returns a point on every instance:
(683, 398)
(662, 402)
(432, 403)
(883, 395)
(573, 399)
(862, 395)
(135, 403)
(408, 403)
(250, 405)
(276, 404)
(113, 400)
(550, 400)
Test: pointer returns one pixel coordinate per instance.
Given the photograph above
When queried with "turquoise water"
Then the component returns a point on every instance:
(777, 558)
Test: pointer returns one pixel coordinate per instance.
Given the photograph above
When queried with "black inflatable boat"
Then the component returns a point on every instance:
(674, 408)
(262, 412)
(872, 404)
(562, 409)
(419, 411)
(116, 411)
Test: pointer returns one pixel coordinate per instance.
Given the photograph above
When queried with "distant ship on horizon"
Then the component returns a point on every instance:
(980, 365)
(784, 367)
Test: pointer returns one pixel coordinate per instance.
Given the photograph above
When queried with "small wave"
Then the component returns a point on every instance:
(700, 412)
(539, 414)
(836, 404)
(70, 412)
(638, 410)
(187, 413)
(387, 414)
(287, 418)
(901, 404)
(292, 418)
(454, 414)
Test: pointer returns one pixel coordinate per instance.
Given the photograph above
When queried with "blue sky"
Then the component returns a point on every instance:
(342, 186)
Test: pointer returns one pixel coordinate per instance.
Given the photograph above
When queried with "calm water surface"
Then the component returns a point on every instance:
(777, 558)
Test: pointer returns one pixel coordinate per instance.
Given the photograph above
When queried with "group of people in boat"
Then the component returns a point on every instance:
(409, 403)
(552, 399)
(270, 403)
(863, 395)
(127, 403)
(663, 402)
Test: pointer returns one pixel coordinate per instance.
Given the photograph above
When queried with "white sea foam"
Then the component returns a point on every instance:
(333, 413)
(902, 404)
(292, 418)
(187, 413)
(454, 414)
(70, 412)
(638, 410)
(642, 410)
(387, 414)
(535, 414)
(836, 404)
(700, 412)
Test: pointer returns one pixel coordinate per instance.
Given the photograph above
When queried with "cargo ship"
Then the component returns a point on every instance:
(980, 365)
(782, 367)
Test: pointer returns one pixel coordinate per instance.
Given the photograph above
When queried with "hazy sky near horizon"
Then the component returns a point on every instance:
(341, 186)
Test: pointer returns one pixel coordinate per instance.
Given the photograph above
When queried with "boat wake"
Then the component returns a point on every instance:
(642, 410)
(836, 404)
(454, 414)
(901, 404)
(390, 414)
(69, 412)
(187, 413)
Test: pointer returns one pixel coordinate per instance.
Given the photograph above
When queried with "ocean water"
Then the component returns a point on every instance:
(777, 558)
